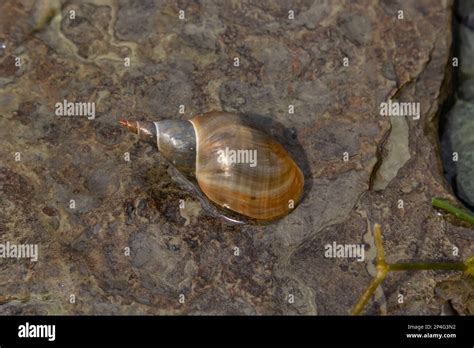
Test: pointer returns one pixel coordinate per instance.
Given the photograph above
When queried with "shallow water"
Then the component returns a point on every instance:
(136, 204)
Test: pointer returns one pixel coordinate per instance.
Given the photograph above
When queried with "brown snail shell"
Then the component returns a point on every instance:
(201, 148)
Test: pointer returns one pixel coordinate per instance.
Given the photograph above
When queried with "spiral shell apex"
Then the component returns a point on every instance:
(239, 168)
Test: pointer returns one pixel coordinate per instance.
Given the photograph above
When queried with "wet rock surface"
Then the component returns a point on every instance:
(128, 248)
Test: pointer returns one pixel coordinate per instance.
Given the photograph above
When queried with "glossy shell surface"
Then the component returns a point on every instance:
(267, 190)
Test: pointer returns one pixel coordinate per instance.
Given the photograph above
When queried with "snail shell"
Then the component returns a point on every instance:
(205, 148)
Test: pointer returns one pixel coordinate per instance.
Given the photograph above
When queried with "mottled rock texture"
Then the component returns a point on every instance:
(190, 62)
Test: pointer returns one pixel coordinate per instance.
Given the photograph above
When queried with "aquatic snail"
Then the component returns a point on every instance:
(239, 168)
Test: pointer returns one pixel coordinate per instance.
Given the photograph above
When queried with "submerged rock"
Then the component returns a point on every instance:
(460, 140)
(458, 133)
(321, 76)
